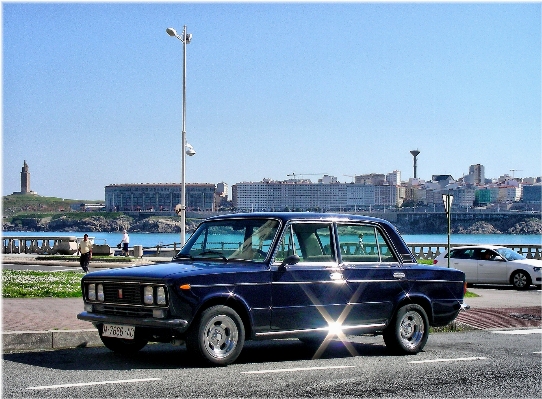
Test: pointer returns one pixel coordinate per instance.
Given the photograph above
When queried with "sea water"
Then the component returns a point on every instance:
(150, 240)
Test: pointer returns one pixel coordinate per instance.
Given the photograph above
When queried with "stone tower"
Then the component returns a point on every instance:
(25, 179)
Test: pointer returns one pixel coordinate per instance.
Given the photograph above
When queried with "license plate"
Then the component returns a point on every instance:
(111, 330)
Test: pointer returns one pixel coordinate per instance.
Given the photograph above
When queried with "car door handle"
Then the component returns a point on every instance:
(399, 275)
(336, 276)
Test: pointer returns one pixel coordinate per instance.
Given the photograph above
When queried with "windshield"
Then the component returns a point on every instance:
(508, 254)
(239, 239)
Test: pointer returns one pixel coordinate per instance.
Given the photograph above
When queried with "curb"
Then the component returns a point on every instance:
(75, 264)
(16, 341)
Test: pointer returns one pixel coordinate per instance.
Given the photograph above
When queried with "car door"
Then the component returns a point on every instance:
(466, 260)
(305, 294)
(491, 268)
(372, 272)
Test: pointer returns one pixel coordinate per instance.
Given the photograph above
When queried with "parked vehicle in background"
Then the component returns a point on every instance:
(488, 264)
(275, 275)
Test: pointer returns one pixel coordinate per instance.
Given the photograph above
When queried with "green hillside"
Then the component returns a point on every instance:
(20, 205)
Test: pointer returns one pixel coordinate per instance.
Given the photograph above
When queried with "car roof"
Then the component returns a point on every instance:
(286, 216)
(489, 246)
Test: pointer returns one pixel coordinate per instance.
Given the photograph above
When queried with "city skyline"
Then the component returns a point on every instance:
(92, 92)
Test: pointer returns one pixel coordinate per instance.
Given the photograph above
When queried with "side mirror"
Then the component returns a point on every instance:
(289, 260)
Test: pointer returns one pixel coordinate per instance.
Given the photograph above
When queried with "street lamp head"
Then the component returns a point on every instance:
(172, 32)
(190, 150)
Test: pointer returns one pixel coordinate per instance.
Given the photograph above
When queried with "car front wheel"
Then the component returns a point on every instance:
(217, 337)
(521, 280)
(408, 331)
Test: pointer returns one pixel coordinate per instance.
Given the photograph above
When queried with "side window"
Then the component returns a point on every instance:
(287, 245)
(463, 254)
(310, 241)
(363, 243)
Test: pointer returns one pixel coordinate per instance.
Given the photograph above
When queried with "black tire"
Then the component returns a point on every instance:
(123, 346)
(520, 280)
(408, 331)
(217, 336)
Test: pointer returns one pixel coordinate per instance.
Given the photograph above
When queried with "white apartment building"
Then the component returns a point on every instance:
(288, 195)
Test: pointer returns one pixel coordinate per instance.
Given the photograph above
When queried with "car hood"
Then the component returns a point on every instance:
(527, 262)
(175, 269)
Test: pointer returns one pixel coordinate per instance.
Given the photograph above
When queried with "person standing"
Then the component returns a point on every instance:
(85, 249)
(125, 241)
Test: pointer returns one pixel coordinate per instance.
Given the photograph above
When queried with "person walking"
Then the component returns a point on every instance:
(85, 249)
(125, 241)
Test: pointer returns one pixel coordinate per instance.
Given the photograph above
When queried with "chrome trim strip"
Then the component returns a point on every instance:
(320, 329)
(319, 282)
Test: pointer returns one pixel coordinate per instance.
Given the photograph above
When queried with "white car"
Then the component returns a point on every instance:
(488, 264)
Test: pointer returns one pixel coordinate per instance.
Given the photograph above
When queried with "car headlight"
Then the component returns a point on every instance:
(91, 292)
(148, 295)
(100, 292)
(160, 295)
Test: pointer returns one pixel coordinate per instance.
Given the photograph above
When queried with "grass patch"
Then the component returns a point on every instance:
(35, 284)
(98, 258)
(469, 294)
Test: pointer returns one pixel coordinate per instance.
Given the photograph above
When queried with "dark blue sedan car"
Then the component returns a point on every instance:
(275, 275)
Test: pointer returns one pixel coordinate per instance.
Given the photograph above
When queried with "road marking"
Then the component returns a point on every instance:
(295, 369)
(537, 352)
(82, 384)
(524, 332)
(458, 359)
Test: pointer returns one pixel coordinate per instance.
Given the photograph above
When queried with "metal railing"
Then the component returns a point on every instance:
(68, 245)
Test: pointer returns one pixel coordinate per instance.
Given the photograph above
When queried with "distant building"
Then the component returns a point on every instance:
(376, 179)
(25, 181)
(159, 197)
(476, 175)
(442, 180)
(532, 194)
(394, 178)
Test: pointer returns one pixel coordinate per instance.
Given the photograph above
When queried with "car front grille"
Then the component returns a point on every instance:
(123, 293)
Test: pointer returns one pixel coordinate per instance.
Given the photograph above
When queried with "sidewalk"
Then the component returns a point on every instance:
(51, 323)
(30, 324)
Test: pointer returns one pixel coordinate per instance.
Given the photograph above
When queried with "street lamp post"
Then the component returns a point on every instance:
(185, 38)
(448, 199)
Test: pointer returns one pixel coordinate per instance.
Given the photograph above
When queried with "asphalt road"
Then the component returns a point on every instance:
(481, 364)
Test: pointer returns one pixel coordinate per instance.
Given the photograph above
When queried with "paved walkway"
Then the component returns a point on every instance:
(42, 314)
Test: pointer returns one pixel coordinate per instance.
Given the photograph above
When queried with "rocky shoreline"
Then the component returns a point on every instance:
(101, 224)
(436, 225)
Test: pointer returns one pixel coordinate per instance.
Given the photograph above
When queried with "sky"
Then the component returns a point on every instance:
(92, 92)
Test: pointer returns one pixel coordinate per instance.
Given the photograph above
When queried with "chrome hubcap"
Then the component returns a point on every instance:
(412, 329)
(220, 336)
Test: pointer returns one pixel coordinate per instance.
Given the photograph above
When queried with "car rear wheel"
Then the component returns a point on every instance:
(408, 331)
(521, 280)
(123, 346)
(217, 337)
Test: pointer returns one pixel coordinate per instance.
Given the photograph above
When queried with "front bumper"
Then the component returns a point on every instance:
(178, 325)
